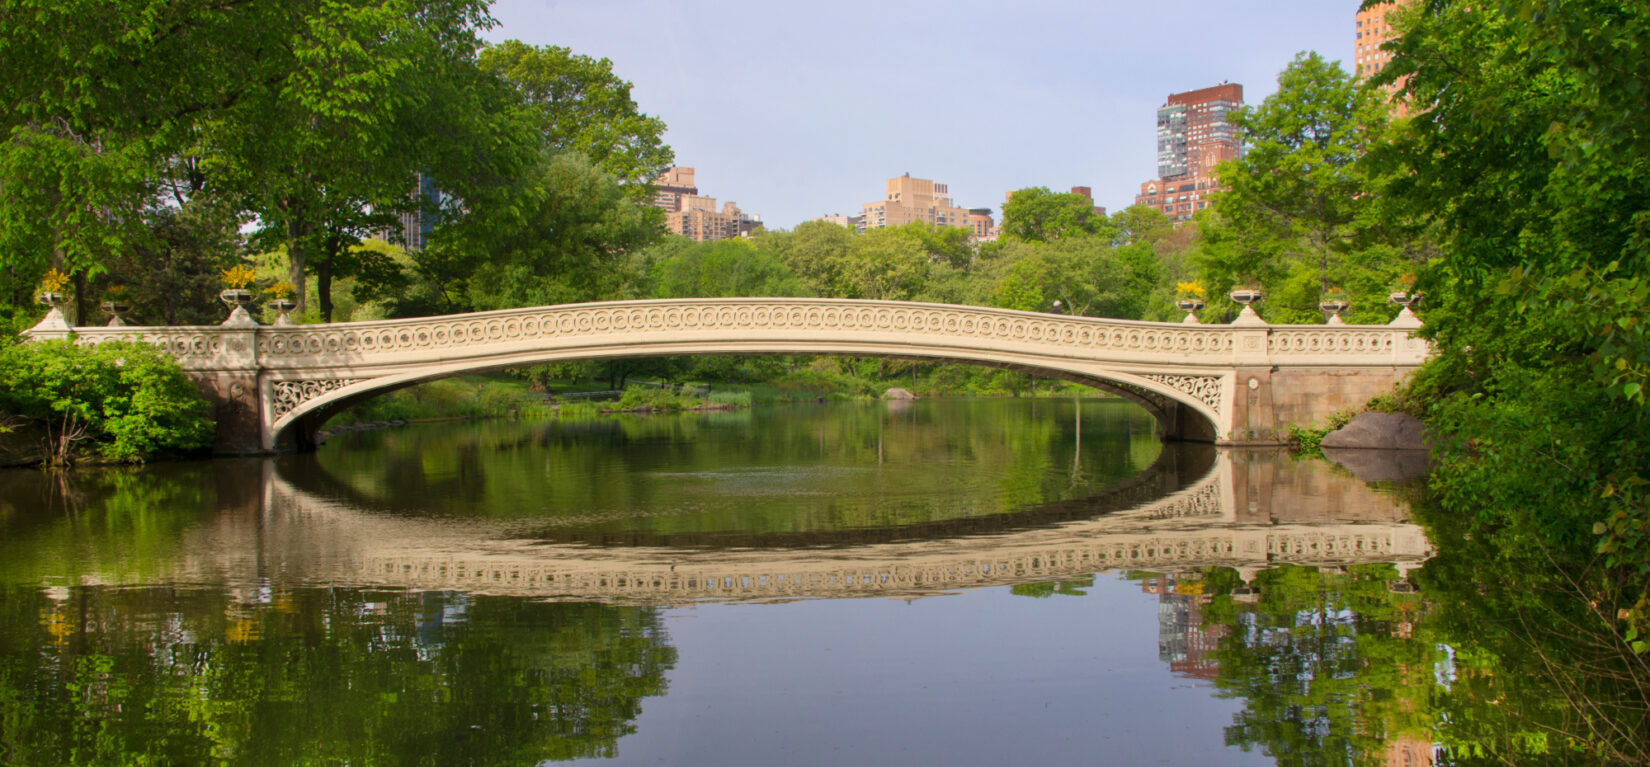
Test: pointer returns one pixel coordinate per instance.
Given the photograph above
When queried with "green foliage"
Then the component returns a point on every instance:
(321, 676)
(139, 136)
(1542, 302)
(1045, 589)
(1303, 215)
(1039, 215)
(656, 398)
(816, 251)
(1531, 161)
(681, 268)
(556, 236)
(730, 398)
(459, 397)
(576, 104)
(1308, 440)
(173, 274)
(1087, 276)
(1323, 662)
(128, 400)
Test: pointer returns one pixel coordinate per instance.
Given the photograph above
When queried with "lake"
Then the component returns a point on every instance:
(933, 582)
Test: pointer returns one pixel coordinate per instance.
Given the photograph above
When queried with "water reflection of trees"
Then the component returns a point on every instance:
(1487, 662)
(803, 469)
(1329, 663)
(94, 675)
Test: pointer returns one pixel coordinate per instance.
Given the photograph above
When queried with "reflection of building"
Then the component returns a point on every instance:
(1373, 28)
(907, 200)
(1182, 640)
(1193, 136)
(1407, 751)
(696, 217)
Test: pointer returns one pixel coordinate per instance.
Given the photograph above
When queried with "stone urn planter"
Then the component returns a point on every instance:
(238, 299)
(1246, 297)
(1405, 299)
(285, 307)
(1333, 307)
(117, 311)
(235, 297)
(52, 298)
(1190, 306)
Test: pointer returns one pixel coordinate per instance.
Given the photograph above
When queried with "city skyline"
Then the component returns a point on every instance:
(801, 113)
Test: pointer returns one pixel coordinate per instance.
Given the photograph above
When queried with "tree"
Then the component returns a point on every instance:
(888, 264)
(1301, 215)
(325, 157)
(1087, 276)
(816, 251)
(575, 103)
(1529, 153)
(687, 269)
(558, 235)
(312, 115)
(1036, 214)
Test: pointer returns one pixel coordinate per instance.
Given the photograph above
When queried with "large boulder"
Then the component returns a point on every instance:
(898, 393)
(1379, 431)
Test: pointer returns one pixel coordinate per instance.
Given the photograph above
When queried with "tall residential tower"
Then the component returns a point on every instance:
(1193, 135)
(1372, 29)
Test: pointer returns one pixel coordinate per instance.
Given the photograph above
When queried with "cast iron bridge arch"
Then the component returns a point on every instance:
(1244, 382)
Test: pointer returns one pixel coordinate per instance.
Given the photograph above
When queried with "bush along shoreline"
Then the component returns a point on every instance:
(117, 402)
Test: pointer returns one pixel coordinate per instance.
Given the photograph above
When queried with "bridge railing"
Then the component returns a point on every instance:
(389, 342)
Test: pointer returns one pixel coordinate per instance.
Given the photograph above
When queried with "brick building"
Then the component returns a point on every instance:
(1372, 29)
(1194, 135)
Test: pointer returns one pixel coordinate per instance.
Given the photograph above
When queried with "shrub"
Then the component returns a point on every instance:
(128, 400)
(655, 398)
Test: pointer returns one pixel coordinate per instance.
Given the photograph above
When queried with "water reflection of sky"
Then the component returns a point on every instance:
(979, 677)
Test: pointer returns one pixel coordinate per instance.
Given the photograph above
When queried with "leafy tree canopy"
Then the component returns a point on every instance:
(576, 104)
(1302, 217)
(1036, 214)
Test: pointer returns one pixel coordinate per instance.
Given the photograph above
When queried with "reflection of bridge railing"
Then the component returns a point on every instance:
(1195, 526)
(908, 575)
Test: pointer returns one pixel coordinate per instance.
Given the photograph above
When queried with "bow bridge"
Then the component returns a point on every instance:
(1243, 383)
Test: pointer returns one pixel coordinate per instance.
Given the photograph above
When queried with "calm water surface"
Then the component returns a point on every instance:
(948, 582)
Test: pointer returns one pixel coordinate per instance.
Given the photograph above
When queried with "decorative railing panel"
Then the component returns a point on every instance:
(800, 320)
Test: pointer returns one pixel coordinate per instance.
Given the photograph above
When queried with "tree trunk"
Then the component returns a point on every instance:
(297, 232)
(80, 310)
(323, 277)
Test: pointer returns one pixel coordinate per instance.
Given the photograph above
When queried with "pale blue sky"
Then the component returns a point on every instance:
(797, 110)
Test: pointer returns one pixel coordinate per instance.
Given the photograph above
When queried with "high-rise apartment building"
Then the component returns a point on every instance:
(980, 224)
(913, 199)
(417, 221)
(1372, 29)
(1194, 134)
(696, 217)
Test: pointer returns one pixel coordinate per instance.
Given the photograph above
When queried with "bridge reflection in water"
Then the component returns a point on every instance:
(1199, 507)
